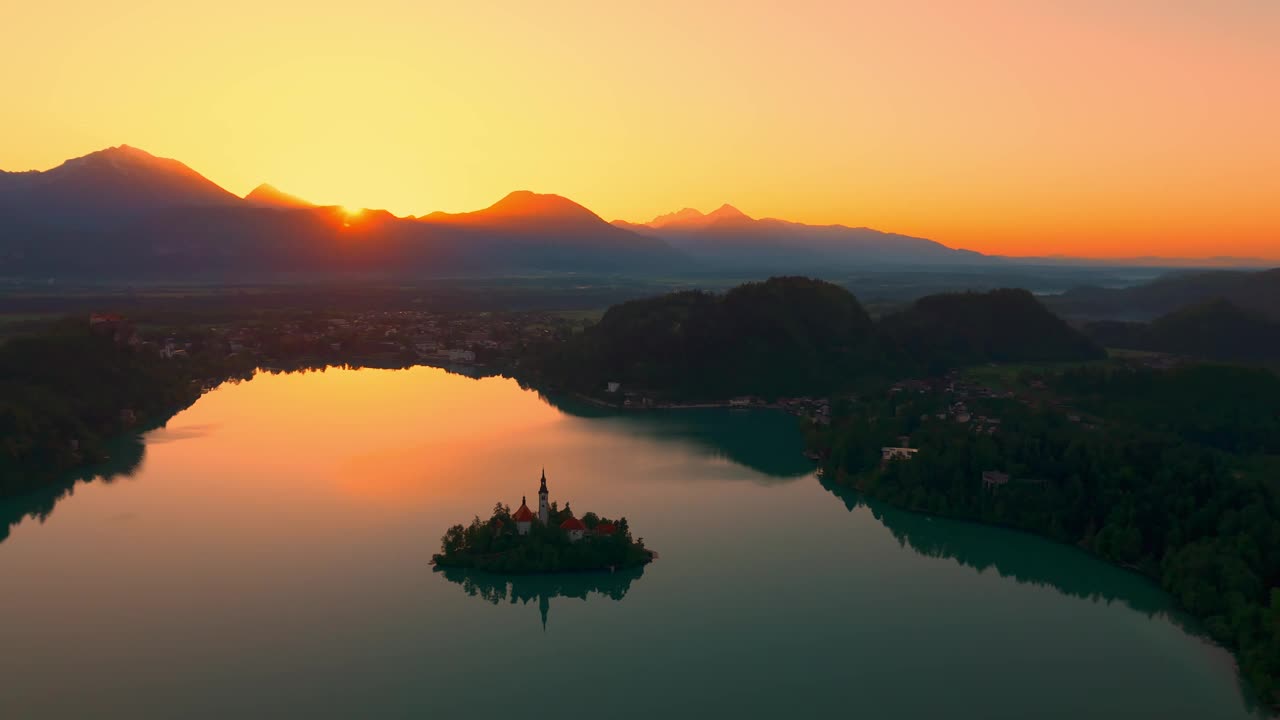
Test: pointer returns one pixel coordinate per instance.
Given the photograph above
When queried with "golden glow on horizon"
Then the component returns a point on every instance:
(1089, 128)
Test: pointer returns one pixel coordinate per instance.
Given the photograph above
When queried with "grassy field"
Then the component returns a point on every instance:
(593, 315)
(1005, 377)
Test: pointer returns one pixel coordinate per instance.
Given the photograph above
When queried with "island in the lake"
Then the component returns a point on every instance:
(549, 541)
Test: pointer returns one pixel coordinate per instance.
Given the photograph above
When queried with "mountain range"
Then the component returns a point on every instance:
(727, 238)
(122, 212)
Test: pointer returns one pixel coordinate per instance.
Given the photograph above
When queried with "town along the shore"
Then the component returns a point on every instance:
(550, 540)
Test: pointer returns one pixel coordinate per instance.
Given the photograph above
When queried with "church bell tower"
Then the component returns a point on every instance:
(544, 509)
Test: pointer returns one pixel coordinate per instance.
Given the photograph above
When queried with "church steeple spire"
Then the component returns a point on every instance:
(544, 508)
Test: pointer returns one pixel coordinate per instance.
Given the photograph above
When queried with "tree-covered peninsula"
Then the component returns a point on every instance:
(1173, 473)
(68, 389)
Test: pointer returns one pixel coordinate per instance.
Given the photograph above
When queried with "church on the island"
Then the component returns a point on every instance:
(524, 517)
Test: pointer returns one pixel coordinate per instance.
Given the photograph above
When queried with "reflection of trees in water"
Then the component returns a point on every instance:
(1028, 559)
(1012, 554)
(124, 456)
(767, 441)
(525, 589)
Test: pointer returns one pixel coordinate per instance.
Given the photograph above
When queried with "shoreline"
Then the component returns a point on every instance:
(704, 405)
(1196, 627)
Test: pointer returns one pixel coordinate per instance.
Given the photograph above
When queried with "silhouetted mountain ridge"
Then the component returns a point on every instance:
(266, 195)
(728, 238)
(122, 212)
(549, 232)
(106, 187)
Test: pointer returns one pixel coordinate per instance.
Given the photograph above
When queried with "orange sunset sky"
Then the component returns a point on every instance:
(1084, 127)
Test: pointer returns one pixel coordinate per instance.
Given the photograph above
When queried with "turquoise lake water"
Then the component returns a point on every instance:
(266, 555)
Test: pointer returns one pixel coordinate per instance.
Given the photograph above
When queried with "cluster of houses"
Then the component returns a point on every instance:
(124, 333)
(959, 412)
(816, 410)
(406, 336)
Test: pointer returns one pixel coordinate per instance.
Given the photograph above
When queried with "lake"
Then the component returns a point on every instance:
(267, 552)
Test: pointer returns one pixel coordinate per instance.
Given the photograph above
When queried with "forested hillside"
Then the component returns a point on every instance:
(1172, 473)
(785, 336)
(65, 391)
(1213, 330)
(1007, 325)
(797, 336)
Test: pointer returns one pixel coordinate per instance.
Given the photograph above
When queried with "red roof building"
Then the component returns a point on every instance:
(524, 514)
(605, 529)
(573, 523)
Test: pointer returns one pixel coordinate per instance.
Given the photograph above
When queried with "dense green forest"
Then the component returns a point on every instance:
(785, 336)
(494, 545)
(795, 336)
(1173, 473)
(955, 329)
(68, 389)
(1213, 330)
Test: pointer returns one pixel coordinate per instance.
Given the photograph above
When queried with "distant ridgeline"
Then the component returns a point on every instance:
(796, 336)
(1230, 315)
(1257, 292)
(1214, 330)
(1169, 472)
(124, 213)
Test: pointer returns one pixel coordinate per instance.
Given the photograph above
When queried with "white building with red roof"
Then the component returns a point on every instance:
(573, 526)
(523, 517)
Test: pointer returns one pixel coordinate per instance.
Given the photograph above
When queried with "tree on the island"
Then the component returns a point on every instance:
(455, 539)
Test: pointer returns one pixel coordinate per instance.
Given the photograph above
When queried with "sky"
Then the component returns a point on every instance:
(1028, 127)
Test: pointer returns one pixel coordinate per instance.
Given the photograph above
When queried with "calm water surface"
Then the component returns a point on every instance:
(268, 554)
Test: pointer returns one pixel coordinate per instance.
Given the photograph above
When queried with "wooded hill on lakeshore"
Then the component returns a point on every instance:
(797, 336)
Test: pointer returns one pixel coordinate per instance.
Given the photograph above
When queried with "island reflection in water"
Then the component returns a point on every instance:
(527, 589)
